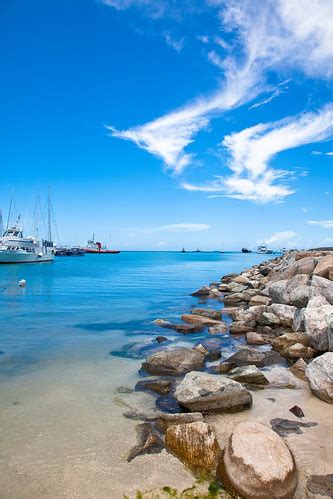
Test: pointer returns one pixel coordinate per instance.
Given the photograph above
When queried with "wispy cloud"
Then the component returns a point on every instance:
(283, 237)
(251, 150)
(176, 43)
(320, 153)
(325, 224)
(264, 37)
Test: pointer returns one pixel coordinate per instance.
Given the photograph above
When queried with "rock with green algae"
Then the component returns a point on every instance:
(201, 489)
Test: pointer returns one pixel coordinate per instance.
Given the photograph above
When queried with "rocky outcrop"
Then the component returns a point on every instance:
(318, 317)
(246, 467)
(174, 362)
(208, 393)
(303, 266)
(248, 374)
(194, 444)
(204, 291)
(320, 375)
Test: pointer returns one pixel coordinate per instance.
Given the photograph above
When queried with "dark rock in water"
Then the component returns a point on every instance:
(321, 485)
(174, 362)
(213, 355)
(180, 328)
(2, 352)
(271, 399)
(136, 350)
(161, 386)
(124, 389)
(204, 291)
(285, 426)
(297, 411)
(166, 420)
(167, 403)
(246, 356)
(212, 344)
(160, 339)
(149, 441)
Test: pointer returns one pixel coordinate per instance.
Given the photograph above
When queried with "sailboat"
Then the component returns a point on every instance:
(16, 248)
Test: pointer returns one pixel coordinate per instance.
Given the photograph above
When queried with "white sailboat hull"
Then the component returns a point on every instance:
(7, 256)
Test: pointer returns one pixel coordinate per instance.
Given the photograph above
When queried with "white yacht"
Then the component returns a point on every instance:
(15, 248)
(263, 250)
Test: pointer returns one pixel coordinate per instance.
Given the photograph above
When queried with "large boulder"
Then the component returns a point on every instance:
(253, 338)
(287, 340)
(268, 318)
(324, 266)
(297, 281)
(248, 374)
(318, 317)
(233, 287)
(247, 356)
(322, 287)
(204, 291)
(242, 327)
(194, 444)
(208, 393)
(303, 266)
(320, 375)
(257, 463)
(233, 299)
(300, 296)
(277, 291)
(174, 362)
(260, 300)
(285, 313)
(298, 369)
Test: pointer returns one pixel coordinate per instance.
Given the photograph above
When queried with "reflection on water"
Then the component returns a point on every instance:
(100, 302)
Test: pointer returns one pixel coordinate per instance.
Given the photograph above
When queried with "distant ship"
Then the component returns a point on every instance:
(97, 248)
(183, 250)
(245, 250)
(15, 248)
(263, 250)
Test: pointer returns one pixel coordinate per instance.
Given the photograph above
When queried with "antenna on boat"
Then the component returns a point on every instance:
(10, 209)
(1, 224)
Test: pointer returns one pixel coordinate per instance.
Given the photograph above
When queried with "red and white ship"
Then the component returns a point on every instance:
(96, 247)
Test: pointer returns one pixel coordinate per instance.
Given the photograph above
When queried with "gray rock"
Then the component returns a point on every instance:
(297, 281)
(298, 369)
(285, 313)
(303, 266)
(208, 393)
(321, 485)
(247, 356)
(320, 375)
(300, 296)
(322, 287)
(174, 362)
(160, 386)
(233, 298)
(318, 323)
(277, 291)
(257, 463)
(248, 374)
(297, 411)
(220, 329)
(268, 318)
(253, 338)
(298, 323)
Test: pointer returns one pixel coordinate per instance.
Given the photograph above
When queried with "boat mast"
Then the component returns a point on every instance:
(1, 224)
(49, 236)
(10, 209)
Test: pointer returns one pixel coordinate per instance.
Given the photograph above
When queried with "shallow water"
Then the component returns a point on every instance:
(62, 430)
(79, 306)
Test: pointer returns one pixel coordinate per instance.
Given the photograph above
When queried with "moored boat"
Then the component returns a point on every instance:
(263, 250)
(97, 248)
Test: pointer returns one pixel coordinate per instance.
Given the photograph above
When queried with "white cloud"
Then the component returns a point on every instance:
(320, 153)
(251, 150)
(281, 237)
(269, 36)
(176, 43)
(325, 224)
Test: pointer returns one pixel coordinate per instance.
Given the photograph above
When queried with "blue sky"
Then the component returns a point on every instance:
(170, 124)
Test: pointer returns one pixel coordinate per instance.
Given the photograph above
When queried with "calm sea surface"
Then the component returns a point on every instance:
(100, 304)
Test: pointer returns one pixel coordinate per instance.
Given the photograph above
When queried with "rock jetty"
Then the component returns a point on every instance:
(278, 315)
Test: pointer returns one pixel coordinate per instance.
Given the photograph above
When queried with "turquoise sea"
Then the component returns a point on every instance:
(97, 304)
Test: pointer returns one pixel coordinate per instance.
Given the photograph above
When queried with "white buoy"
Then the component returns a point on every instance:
(22, 283)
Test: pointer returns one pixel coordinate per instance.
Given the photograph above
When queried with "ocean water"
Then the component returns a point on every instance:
(97, 304)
